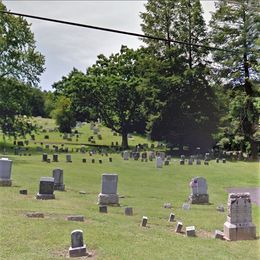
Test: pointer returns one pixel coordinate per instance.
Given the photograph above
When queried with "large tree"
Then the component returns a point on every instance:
(188, 113)
(20, 68)
(235, 27)
(110, 90)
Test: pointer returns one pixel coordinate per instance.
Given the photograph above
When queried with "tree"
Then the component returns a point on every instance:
(18, 56)
(110, 90)
(20, 68)
(64, 116)
(235, 26)
(188, 112)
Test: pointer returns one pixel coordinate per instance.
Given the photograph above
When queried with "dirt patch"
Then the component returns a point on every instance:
(254, 193)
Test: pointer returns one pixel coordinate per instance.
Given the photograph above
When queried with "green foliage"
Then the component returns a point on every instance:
(64, 116)
(235, 26)
(18, 56)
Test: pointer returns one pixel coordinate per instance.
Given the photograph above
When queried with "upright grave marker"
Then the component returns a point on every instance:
(77, 248)
(46, 189)
(5, 172)
(239, 224)
(199, 191)
(108, 193)
(58, 179)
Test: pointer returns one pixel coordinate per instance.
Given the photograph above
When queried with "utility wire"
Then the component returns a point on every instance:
(117, 31)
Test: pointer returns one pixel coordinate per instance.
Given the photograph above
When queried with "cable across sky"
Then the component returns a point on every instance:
(116, 31)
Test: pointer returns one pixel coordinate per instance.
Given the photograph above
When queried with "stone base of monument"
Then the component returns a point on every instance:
(60, 187)
(78, 251)
(199, 198)
(45, 196)
(5, 182)
(108, 199)
(236, 232)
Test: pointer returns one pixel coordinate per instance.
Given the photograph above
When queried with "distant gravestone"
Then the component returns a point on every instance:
(185, 206)
(190, 161)
(144, 221)
(5, 172)
(77, 248)
(199, 191)
(129, 211)
(110, 159)
(58, 179)
(84, 160)
(55, 157)
(23, 192)
(46, 188)
(166, 163)
(68, 158)
(190, 231)
(224, 160)
(217, 160)
(182, 160)
(179, 226)
(44, 157)
(108, 193)
(159, 162)
(198, 161)
(171, 217)
(103, 209)
(239, 224)
(76, 218)
(126, 155)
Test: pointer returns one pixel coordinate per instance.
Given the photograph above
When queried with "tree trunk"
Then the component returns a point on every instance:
(124, 140)
(254, 149)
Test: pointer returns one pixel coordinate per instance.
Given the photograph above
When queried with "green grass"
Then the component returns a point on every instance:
(113, 235)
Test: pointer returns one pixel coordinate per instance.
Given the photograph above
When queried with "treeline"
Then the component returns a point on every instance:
(184, 94)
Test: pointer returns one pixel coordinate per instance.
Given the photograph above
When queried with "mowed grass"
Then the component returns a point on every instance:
(114, 235)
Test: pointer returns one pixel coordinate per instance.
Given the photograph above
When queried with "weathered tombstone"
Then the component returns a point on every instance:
(55, 157)
(159, 162)
(83, 149)
(190, 231)
(224, 160)
(199, 191)
(77, 247)
(76, 218)
(182, 160)
(190, 161)
(58, 179)
(93, 160)
(103, 209)
(151, 155)
(161, 154)
(206, 162)
(68, 158)
(100, 161)
(35, 215)
(84, 160)
(217, 160)
(23, 192)
(44, 157)
(239, 224)
(129, 211)
(110, 159)
(198, 161)
(136, 156)
(48, 160)
(185, 206)
(171, 217)
(108, 193)
(144, 155)
(126, 155)
(166, 163)
(144, 221)
(5, 172)
(46, 188)
(178, 227)
(219, 234)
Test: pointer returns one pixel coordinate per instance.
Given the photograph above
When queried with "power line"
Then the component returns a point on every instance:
(116, 31)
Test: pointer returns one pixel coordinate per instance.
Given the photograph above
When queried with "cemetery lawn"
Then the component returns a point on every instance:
(114, 235)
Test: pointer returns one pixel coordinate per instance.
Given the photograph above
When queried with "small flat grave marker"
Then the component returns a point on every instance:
(129, 211)
(190, 231)
(144, 221)
(76, 218)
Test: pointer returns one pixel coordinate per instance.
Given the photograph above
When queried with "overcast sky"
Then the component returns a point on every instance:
(65, 47)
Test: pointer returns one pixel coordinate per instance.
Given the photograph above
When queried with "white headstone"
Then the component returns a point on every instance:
(159, 162)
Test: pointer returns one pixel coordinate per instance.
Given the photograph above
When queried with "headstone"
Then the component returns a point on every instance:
(167, 205)
(166, 163)
(199, 191)
(185, 206)
(84, 160)
(217, 160)
(93, 160)
(100, 161)
(206, 162)
(182, 160)
(108, 193)
(110, 159)
(77, 248)
(103, 209)
(55, 157)
(171, 217)
(178, 227)
(57, 174)
(68, 158)
(35, 215)
(5, 172)
(159, 162)
(76, 218)
(46, 188)
(151, 155)
(190, 161)
(190, 231)
(198, 161)
(44, 157)
(23, 192)
(144, 221)
(126, 155)
(224, 160)
(129, 211)
(239, 224)
(219, 234)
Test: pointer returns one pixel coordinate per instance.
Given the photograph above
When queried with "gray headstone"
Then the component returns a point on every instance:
(109, 183)
(46, 185)
(5, 168)
(159, 162)
(103, 209)
(129, 211)
(199, 185)
(68, 158)
(58, 176)
(77, 238)
(125, 155)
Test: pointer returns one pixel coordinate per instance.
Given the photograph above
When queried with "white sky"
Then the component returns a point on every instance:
(65, 47)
